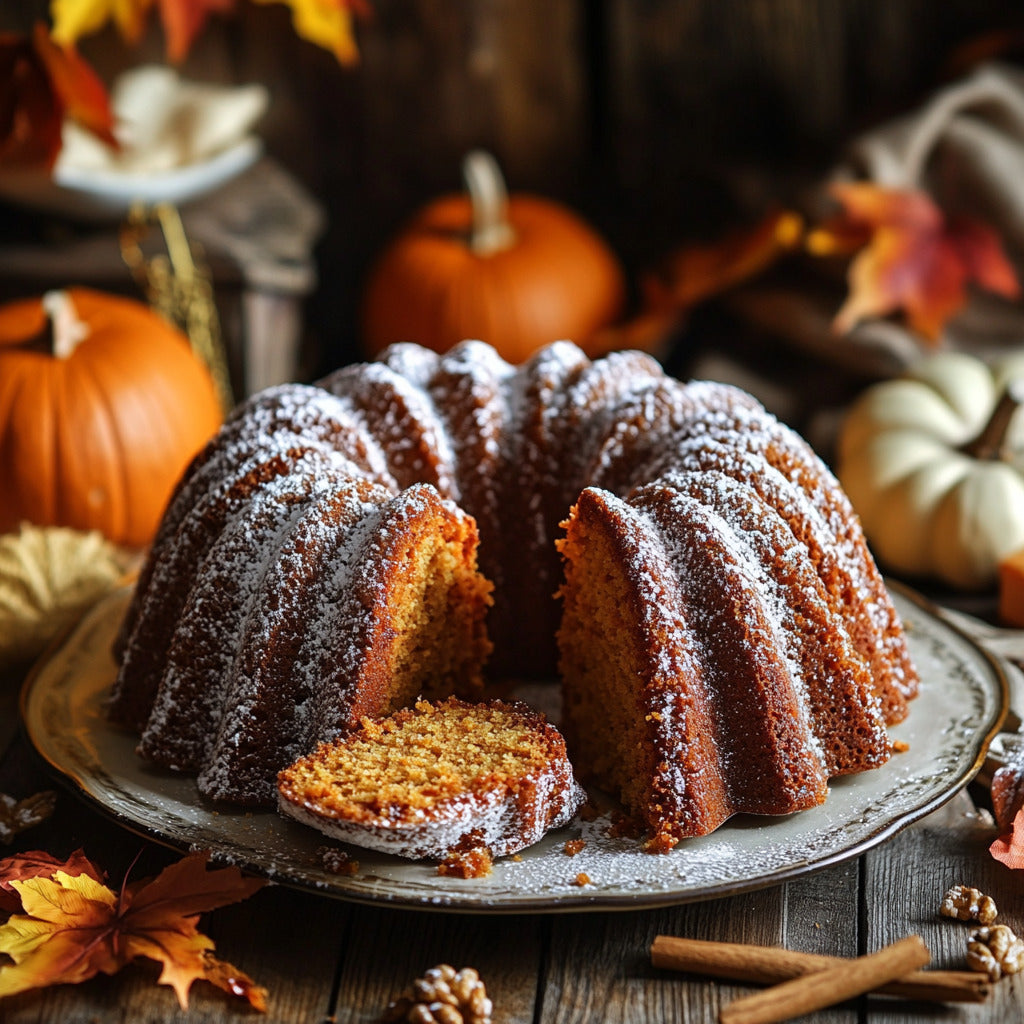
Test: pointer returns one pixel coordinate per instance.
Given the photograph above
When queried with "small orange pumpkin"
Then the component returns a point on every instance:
(516, 271)
(102, 405)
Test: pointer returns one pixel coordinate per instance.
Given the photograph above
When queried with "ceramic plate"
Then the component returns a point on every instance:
(962, 703)
(108, 195)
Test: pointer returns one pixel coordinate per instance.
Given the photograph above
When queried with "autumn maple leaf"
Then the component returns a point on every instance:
(41, 83)
(693, 273)
(73, 19)
(73, 927)
(36, 864)
(327, 23)
(183, 20)
(913, 257)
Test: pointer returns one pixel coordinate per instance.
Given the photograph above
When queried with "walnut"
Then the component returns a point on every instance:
(967, 904)
(442, 996)
(995, 951)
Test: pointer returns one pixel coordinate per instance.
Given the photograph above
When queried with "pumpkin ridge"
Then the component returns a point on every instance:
(105, 420)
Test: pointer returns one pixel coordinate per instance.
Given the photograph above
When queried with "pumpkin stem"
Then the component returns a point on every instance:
(491, 231)
(65, 331)
(990, 444)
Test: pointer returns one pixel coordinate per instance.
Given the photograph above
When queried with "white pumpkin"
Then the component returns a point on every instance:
(932, 502)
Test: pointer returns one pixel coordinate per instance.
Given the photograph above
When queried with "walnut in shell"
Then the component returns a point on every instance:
(995, 951)
(968, 904)
(442, 996)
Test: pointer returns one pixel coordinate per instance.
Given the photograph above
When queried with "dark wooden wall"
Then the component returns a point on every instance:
(658, 119)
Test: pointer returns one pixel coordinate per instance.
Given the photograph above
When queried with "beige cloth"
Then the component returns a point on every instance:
(965, 147)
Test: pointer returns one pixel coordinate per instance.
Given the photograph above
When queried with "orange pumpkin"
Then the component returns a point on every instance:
(102, 404)
(516, 271)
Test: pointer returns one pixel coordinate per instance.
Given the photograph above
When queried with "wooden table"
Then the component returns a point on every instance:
(324, 960)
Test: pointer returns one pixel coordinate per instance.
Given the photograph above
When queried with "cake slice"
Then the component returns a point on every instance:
(436, 778)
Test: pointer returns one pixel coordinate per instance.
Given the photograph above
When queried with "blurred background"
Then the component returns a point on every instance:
(659, 121)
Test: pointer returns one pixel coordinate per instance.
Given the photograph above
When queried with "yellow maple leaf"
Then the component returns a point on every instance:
(74, 927)
(65, 933)
(327, 23)
(73, 19)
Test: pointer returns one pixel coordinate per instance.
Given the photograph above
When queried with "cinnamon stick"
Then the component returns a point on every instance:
(770, 964)
(833, 985)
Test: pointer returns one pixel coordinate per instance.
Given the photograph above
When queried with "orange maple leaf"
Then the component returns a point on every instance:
(183, 20)
(693, 273)
(913, 258)
(74, 927)
(41, 83)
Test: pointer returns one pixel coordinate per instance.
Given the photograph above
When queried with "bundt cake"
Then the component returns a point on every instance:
(436, 777)
(727, 643)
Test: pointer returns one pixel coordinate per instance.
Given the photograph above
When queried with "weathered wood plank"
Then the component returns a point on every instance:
(904, 884)
(713, 107)
(386, 950)
(286, 941)
(599, 969)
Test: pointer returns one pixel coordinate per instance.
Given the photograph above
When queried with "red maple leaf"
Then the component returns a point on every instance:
(41, 83)
(914, 259)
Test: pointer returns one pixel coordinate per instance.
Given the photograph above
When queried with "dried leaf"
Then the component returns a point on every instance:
(18, 815)
(328, 23)
(35, 864)
(74, 927)
(82, 94)
(913, 258)
(183, 20)
(66, 933)
(235, 982)
(694, 273)
(73, 19)
(41, 83)
(691, 274)
(30, 112)
(1008, 849)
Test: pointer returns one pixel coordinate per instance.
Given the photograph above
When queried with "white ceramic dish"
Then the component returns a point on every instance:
(962, 703)
(109, 195)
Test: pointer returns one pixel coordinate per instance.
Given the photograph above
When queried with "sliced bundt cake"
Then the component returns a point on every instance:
(727, 641)
(736, 688)
(436, 777)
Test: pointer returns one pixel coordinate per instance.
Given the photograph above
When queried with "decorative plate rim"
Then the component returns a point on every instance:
(99, 786)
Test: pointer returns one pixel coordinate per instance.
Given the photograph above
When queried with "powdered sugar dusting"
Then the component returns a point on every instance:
(293, 512)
